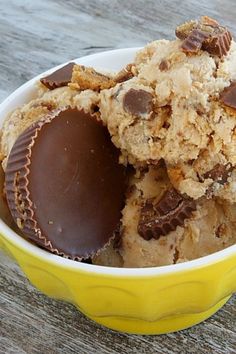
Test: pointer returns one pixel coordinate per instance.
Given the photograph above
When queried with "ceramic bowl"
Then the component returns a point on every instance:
(145, 301)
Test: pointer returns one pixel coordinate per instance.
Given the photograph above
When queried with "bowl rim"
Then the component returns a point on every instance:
(28, 247)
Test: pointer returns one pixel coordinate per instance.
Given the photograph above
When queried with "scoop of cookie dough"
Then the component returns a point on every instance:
(210, 228)
(186, 121)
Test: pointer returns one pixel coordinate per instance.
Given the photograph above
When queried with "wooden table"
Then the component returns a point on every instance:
(35, 36)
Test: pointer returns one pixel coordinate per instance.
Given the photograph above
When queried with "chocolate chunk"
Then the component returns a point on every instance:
(220, 173)
(205, 34)
(218, 43)
(163, 217)
(228, 96)
(59, 78)
(125, 74)
(64, 185)
(194, 41)
(164, 65)
(168, 202)
(138, 102)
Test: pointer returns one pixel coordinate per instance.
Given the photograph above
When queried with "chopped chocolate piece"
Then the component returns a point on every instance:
(168, 202)
(88, 79)
(205, 34)
(228, 96)
(125, 74)
(218, 43)
(58, 172)
(164, 65)
(138, 102)
(194, 41)
(58, 78)
(159, 219)
(220, 173)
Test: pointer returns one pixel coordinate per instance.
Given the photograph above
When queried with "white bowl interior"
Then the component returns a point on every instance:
(106, 61)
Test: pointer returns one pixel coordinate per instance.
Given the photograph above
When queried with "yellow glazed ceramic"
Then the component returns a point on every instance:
(147, 301)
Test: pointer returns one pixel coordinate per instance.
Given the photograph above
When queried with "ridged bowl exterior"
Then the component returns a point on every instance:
(145, 304)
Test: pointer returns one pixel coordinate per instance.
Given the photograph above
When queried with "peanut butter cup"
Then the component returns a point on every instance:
(158, 219)
(64, 185)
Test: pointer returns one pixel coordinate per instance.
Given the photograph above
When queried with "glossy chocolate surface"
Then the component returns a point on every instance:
(58, 78)
(75, 184)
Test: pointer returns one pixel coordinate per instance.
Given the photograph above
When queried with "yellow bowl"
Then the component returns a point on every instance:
(145, 301)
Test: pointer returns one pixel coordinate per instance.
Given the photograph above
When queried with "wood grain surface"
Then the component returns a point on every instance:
(34, 36)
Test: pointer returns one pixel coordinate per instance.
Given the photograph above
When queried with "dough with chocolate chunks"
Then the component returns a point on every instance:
(180, 108)
(210, 228)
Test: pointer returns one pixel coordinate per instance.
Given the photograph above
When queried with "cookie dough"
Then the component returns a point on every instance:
(178, 110)
(187, 123)
(211, 227)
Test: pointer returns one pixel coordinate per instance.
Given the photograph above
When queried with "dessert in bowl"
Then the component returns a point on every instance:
(173, 262)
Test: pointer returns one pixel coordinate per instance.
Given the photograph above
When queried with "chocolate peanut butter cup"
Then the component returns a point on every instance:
(158, 219)
(64, 185)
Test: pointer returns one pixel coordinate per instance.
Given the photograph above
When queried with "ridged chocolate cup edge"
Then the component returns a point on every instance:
(17, 192)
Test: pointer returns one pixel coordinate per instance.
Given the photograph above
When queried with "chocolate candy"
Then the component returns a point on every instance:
(205, 34)
(138, 102)
(218, 43)
(193, 43)
(164, 65)
(59, 78)
(159, 219)
(228, 96)
(219, 173)
(64, 186)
